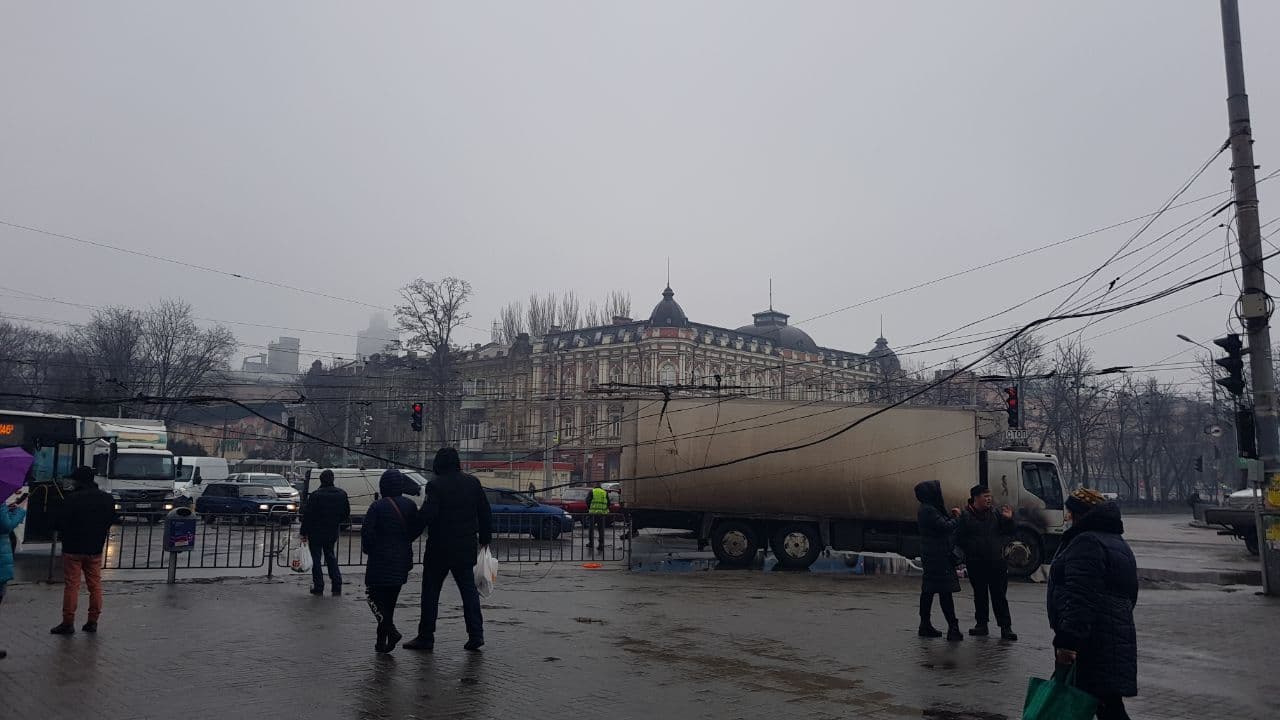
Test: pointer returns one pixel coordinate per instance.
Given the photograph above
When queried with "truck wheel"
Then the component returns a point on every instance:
(796, 545)
(1023, 554)
(735, 543)
(1251, 543)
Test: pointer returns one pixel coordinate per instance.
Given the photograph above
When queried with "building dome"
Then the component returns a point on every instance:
(772, 325)
(884, 357)
(668, 312)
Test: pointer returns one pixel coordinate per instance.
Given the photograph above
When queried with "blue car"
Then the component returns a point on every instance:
(244, 503)
(517, 513)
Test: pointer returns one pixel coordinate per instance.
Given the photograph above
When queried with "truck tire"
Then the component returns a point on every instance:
(1023, 553)
(1251, 543)
(735, 543)
(796, 545)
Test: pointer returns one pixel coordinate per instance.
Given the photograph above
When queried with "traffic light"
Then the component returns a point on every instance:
(1246, 435)
(293, 422)
(1233, 363)
(1011, 406)
(417, 417)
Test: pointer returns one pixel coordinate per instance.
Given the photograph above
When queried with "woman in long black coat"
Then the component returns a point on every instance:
(1093, 588)
(937, 543)
(387, 535)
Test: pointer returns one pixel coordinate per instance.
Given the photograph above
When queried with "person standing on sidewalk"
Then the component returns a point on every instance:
(11, 516)
(390, 526)
(982, 536)
(1093, 588)
(323, 516)
(937, 541)
(597, 512)
(458, 520)
(86, 517)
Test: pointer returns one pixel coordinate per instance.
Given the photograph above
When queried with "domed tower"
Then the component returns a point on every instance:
(885, 358)
(668, 313)
(773, 325)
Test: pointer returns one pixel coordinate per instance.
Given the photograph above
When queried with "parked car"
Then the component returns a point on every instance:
(284, 489)
(517, 513)
(244, 502)
(577, 502)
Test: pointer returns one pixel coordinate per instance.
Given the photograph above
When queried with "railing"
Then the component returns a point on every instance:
(240, 542)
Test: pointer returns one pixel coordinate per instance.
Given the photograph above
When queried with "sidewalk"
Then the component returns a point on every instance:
(565, 641)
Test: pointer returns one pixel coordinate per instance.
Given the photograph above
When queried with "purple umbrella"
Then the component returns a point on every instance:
(14, 463)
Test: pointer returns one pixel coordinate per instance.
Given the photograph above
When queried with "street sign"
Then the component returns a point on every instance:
(1016, 435)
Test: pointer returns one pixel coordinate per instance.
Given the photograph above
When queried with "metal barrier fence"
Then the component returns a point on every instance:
(517, 538)
(240, 542)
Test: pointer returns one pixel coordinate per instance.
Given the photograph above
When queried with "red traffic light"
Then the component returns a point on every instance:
(417, 407)
(1011, 397)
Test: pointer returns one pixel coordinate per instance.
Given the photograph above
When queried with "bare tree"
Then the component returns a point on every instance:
(511, 322)
(1076, 400)
(569, 312)
(541, 314)
(429, 315)
(178, 356)
(616, 304)
(594, 316)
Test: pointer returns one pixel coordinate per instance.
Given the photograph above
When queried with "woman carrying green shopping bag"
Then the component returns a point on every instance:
(1093, 587)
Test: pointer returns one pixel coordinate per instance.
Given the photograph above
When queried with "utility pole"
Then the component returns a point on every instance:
(1254, 305)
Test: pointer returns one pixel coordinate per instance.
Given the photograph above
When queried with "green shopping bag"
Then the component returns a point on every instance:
(1058, 698)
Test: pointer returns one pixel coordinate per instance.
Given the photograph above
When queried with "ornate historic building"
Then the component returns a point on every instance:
(562, 391)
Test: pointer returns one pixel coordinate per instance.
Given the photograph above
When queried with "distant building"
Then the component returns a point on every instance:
(282, 356)
(375, 339)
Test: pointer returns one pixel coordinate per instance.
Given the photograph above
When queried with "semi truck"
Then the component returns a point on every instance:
(854, 492)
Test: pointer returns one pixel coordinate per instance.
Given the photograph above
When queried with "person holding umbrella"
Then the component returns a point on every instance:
(14, 464)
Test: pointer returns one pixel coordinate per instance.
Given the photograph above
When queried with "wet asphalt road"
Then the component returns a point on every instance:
(564, 640)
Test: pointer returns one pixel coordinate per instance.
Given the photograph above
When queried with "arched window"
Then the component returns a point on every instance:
(667, 374)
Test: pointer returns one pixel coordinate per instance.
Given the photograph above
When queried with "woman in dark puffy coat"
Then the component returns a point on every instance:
(1093, 588)
(937, 543)
(387, 535)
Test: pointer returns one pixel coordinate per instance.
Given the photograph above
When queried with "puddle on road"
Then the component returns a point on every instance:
(851, 565)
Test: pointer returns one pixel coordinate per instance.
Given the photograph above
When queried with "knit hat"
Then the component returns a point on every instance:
(1083, 500)
(978, 490)
(82, 475)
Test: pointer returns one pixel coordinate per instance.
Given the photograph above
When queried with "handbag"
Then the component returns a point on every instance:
(1058, 698)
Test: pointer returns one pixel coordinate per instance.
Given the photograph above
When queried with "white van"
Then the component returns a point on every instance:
(194, 472)
(361, 486)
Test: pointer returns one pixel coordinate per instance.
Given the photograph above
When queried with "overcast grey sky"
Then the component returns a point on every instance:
(845, 149)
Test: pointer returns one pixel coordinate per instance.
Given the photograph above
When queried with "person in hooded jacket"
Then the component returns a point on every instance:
(937, 545)
(1093, 588)
(458, 522)
(386, 536)
(11, 516)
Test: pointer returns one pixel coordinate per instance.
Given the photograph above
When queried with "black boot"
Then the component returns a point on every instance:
(927, 630)
(421, 643)
(1007, 633)
(979, 630)
(954, 634)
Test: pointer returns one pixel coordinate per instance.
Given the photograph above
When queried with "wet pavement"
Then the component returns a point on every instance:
(565, 640)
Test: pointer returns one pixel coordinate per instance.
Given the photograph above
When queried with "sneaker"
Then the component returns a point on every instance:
(421, 644)
(954, 634)
(1008, 634)
(979, 630)
(929, 631)
(473, 645)
(64, 629)
(90, 627)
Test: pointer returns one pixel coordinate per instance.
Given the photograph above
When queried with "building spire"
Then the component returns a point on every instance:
(881, 324)
(771, 294)
(668, 271)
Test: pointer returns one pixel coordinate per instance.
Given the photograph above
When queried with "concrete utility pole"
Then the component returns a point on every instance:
(1255, 305)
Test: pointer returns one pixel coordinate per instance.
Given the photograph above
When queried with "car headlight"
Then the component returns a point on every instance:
(264, 507)
(119, 506)
(568, 516)
(168, 506)
(290, 507)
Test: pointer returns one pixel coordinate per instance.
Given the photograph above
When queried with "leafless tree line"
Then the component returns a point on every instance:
(540, 313)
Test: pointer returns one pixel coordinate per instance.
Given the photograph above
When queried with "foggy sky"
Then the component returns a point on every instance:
(843, 149)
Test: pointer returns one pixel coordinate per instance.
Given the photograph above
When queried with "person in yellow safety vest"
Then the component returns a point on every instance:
(597, 509)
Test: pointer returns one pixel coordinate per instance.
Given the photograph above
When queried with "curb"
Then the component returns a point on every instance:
(1202, 577)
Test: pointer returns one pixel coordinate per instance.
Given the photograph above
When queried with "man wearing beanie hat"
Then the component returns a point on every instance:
(1093, 588)
(458, 521)
(982, 535)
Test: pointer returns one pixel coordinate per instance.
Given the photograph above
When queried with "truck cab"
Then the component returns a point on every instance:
(1030, 484)
(131, 460)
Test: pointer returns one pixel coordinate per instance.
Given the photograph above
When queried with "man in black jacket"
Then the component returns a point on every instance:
(323, 516)
(981, 536)
(1093, 588)
(83, 522)
(458, 522)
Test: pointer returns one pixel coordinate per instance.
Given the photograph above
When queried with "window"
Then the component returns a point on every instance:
(667, 374)
(615, 425)
(1041, 480)
(215, 491)
(142, 467)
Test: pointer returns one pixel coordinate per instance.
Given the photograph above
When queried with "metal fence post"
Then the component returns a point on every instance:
(173, 568)
(271, 556)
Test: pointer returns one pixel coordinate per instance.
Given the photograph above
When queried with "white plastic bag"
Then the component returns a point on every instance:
(486, 571)
(300, 559)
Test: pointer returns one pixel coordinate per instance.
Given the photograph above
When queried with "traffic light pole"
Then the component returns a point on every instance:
(1254, 305)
